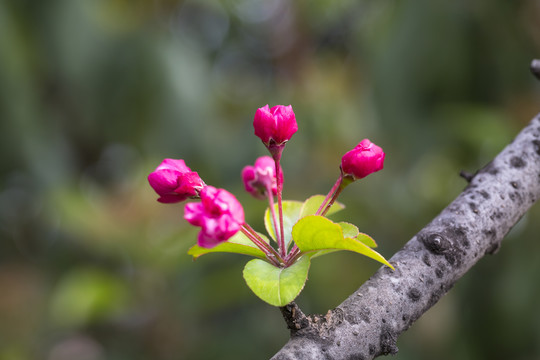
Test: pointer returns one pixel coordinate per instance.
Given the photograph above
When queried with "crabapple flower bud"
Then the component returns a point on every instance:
(275, 126)
(174, 182)
(364, 159)
(219, 215)
(257, 179)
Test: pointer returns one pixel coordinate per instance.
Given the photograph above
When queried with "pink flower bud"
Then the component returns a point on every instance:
(275, 126)
(364, 159)
(174, 182)
(257, 179)
(219, 215)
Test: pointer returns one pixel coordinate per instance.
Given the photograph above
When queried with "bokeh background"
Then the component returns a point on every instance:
(95, 93)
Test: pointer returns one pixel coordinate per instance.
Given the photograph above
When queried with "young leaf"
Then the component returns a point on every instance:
(312, 204)
(349, 230)
(239, 244)
(315, 233)
(366, 239)
(277, 286)
(291, 214)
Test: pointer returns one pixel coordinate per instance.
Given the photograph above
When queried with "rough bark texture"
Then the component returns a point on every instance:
(368, 323)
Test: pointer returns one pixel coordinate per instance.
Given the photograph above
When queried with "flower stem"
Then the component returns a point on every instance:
(343, 181)
(330, 195)
(292, 256)
(273, 212)
(271, 254)
(281, 239)
(331, 202)
(327, 203)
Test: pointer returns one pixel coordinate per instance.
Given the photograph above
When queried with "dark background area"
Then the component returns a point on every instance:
(95, 93)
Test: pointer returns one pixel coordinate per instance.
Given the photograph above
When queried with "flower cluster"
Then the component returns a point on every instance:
(277, 274)
(219, 214)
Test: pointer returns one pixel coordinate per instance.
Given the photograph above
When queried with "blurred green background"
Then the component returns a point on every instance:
(95, 93)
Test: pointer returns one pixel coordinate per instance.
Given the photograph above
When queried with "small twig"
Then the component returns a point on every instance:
(467, 175)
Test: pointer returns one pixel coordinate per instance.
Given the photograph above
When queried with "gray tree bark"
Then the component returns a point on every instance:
(368, 323)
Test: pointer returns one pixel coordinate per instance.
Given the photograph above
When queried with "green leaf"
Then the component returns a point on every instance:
(351, 231)
(367, 240)
(277, 286)
(291, 214)
(295, 210)
(239, 244)
(315, 233)
(312, 204)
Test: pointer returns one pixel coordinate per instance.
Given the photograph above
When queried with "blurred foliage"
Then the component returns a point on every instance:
(93, 94)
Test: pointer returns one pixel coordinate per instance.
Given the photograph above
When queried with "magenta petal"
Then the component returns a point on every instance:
(208, 198)
(234, 208)
(380, 162)
(219, 215)
(364, 159)
(222, 228)
(164, 181)
(286, 124)
(264, 163)
(248, 175)
(170, 199)
(264, 124)
(174, 164)
(194, 213)
(364, 144)
(189, 184)
(217, 230)
(257, 179)
(172, 178)
(228, 204)
(206, 241)
(275, 125)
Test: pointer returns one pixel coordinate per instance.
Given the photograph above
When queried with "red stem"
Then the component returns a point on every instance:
(330, 194)
(273, 211)
(292, 256)
(281, 238)
(331, 202)
(271, 254)
(323, 209)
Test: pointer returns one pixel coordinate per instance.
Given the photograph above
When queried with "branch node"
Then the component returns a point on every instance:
(467, 175)
(295, 319)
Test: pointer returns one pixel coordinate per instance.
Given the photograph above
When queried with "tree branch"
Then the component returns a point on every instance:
(368, 323)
